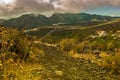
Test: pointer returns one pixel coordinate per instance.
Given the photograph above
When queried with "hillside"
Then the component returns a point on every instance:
(59, 39)
(31, 20)
(60, 53)
(24, 58)
(56, 34)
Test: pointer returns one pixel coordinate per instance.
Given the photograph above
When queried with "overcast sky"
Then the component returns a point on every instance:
(12, 8)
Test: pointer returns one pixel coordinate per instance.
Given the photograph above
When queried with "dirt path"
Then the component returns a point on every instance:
(54, 65)
(57, 66)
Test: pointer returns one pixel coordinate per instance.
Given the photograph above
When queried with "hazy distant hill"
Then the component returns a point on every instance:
(1, 20)
(81, 19)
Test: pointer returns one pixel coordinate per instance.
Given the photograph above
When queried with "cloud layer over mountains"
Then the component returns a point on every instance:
(18, 7)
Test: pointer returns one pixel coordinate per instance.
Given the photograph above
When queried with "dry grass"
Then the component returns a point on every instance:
(110, 62)
(15, 49)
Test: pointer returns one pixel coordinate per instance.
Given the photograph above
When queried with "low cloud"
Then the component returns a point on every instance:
(25, 6)
(19, 7)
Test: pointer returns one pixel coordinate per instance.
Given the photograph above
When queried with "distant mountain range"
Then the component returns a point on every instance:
(66, 19)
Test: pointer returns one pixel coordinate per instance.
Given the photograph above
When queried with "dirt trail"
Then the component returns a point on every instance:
(57, 66)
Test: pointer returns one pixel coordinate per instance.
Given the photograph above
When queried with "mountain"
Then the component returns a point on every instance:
(25, 21)
(68, 19)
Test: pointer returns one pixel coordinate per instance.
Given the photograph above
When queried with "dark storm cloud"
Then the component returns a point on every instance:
(48, 6)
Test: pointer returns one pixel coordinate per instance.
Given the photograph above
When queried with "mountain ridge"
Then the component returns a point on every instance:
(62, 19)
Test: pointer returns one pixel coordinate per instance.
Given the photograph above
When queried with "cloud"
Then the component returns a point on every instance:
(25, 6)
(81, 5)
(49, 6)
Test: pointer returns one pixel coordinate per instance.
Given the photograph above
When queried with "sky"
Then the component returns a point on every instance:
(14, 8)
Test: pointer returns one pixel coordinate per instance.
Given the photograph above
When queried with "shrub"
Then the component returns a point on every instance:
(15, 48)
(13, 44)
(110, 62)
(66, 45)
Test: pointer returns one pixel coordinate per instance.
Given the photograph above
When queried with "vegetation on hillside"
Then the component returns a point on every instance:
(67, 53)
(105, 49)
(15, 50)
(81, 19)
(76, 32)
